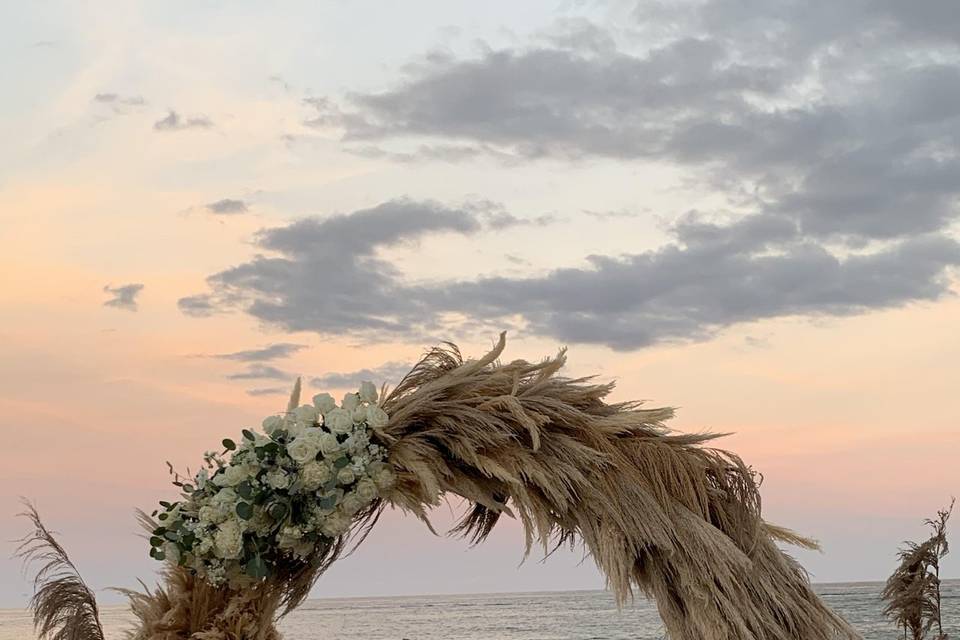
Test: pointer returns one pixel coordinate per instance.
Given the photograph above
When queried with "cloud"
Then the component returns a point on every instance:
(264, 354)
(198, 306)
(267, 391)
(124, 296)
(390, 372)
(828, 135)
(261, 372)
(326, 274)
(227, 206)
(808, 108)
(710, 277)
(175, 122)
(116, 99)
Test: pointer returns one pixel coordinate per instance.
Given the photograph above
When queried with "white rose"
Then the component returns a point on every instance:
(377, 418)
(314, 475)
(346, 475)
(359, 413)
(210, 514)
(228, 540)
(224, 500)
(334, 524)
(305, 447)
(384, 478)
(350, 401)
(278, 479)
(272, 423)
(294, 428)
(171, 552)
(366, 490)
(232, 476)
(324, 402)
(368, 392)
(339, 420)
(351, 504)
(306, 415)
(329, 444)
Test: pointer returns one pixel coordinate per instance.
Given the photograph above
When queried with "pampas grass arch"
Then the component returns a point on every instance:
(662, 513)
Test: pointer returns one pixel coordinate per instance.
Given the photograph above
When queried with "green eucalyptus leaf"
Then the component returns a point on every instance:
(257, 568)
(156, 541)
(245, 510)
(277, 510)
(229, 444)
(248, 435)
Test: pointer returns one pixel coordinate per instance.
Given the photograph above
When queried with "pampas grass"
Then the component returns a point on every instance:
(660, 512)
(63, 607)
(912, 592)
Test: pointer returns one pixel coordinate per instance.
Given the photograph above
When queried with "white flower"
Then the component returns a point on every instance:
(314, 475)
(377, 418)
(294, 428)
(334, 524)
(324, 402)
(225, 499)
(339, 420)
(359, 413)
(202, 477)
(384, 478)
(202, 546)
(351, 504)
(346, 475)
(329, 444)
(171, 552)
(306, 415)
(210, 514)
(350, 401)
(368, 392)
(229, 539)
(232, 475)
(305, 446)
(278, 479)
(272, 423)
(366, 490)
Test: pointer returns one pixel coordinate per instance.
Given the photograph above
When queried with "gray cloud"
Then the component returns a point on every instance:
(712, 276)
(832, 133)
(261, 372)
(198, 306)
(843, 118)
(264, 354)
(116, 99)
(227, 206)
(326, 273)
(390, 372)
(124, 296)
(173, 121)
(267, 391)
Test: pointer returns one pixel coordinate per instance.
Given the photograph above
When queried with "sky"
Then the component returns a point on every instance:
(744, 209)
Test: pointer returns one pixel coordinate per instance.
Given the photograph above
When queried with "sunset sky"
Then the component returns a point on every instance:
(744, 209)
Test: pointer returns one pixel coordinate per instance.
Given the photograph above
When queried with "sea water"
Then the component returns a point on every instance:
(563, 615)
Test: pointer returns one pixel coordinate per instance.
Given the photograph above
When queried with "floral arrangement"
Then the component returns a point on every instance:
(281, 496)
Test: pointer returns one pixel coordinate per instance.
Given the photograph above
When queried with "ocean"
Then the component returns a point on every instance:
(561, 615)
